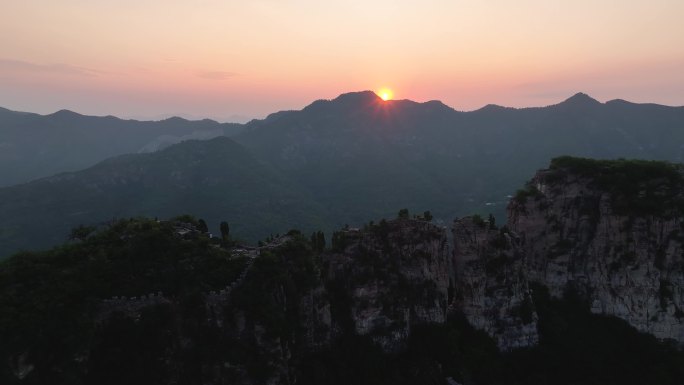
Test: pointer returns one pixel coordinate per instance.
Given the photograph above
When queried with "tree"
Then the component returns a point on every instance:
(202, 226)
(225, 231)
(492, 222)
(427, 215)
(320, 240)
(314, 241)
(403, 214)
(339, 241)
(477, 219)
(81, 232)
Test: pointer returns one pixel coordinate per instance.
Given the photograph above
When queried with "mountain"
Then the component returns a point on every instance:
(217, 178)
(357, 157)
(583, 284)
(384, 155)
(34, 146)
(357, 148)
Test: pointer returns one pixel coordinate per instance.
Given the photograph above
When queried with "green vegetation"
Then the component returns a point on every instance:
(339, 241)
(530, 191)
(80, 233)
(50, 299)
(635, 169)
(477, 220)
(492, 222)
(225, 231)
(638, 187)
(269, 298)
(318, 241)
(202, 226)
(217, 179)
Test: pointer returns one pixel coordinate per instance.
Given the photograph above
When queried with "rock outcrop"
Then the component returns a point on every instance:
(491, 285)
(612, 232)
(392, 275)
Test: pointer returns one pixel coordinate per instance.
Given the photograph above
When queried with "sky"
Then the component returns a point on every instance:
(234, 60)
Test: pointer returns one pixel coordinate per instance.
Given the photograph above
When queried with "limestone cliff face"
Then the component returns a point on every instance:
(491, 285)
(393, 275)
(612, 233)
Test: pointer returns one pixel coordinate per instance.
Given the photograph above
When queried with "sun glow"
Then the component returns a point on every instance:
(386, 94)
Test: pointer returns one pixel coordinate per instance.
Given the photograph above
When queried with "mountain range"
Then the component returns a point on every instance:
(332, 163)
(34, 146)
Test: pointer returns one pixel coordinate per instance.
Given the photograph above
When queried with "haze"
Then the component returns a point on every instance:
(232, 60)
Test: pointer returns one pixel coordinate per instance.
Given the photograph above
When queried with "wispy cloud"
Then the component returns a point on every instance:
(58, 68)
(216, 75)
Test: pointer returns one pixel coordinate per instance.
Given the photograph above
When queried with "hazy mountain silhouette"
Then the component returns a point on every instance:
(344, 161)
(427, 155)
(34, 146)
(217, 178)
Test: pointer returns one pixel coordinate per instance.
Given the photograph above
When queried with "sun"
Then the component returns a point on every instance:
(385, 94)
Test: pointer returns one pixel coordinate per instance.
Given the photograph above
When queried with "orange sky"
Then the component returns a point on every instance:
(230, 59)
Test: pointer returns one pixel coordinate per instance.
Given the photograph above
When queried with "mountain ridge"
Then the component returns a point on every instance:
(368, 95)
(36, 146)
(365, 157)
(182, 177)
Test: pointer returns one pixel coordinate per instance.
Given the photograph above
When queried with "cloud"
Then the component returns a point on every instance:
(216, 75)
(64, 69)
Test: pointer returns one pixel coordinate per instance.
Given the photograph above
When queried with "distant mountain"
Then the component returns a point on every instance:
(34, 146)
(364, 156)
(341, 161)
(358, 149)
(217, 178)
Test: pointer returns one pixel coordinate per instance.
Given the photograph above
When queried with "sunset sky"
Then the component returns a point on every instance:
(231, 59)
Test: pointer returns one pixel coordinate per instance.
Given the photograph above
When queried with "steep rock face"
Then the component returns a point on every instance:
(289, 302)
(314, 314)
(491, 286)
(390, 276)
(612, 232)
(252, 331)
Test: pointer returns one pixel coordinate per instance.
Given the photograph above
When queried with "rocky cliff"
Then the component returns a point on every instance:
(491, 284)
(610, 231)
(391, 276)
(291, 300)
